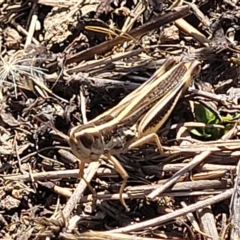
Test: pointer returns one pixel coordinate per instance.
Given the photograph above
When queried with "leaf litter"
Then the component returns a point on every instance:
(62, 63)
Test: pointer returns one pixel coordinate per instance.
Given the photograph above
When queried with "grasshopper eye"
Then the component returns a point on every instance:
(87, 140)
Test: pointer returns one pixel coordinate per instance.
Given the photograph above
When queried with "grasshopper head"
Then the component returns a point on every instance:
(85, 146)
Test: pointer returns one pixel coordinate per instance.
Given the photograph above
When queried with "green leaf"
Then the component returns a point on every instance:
(203, 114)
(230, 118)
(200, 133)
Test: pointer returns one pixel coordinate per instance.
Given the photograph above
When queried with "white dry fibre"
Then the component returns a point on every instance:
(17, 68)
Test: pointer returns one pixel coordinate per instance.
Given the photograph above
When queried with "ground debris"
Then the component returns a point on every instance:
(64, 64)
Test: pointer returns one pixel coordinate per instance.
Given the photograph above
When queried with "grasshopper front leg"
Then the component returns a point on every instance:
(118, 167)
(81, 175)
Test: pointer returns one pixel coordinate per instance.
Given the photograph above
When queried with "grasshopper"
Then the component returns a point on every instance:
(135, 120)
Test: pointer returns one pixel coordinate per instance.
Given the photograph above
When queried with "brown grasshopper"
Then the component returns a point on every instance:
(135, 120)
